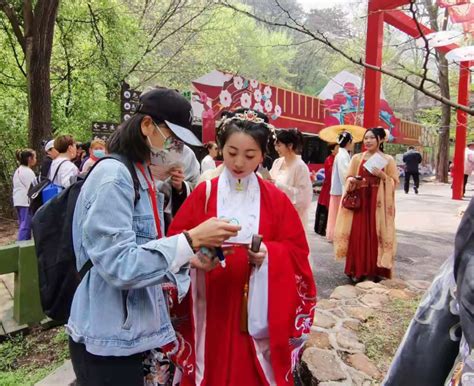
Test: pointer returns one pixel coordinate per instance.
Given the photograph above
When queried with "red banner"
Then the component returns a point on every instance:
(449, 3)
(461, 13)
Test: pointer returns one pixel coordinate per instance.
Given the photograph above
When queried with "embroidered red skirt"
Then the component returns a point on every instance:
(362, 251)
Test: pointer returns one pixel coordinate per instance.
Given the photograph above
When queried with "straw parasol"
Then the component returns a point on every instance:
(330, 134)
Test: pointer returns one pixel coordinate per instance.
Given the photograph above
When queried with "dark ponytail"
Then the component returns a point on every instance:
(344, 138)
(209, 145)
(291, 137)
(23, 156)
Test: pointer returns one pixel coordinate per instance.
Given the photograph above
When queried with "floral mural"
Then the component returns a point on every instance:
(347, 107)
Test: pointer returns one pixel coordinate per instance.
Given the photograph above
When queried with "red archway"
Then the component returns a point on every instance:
(385, 11)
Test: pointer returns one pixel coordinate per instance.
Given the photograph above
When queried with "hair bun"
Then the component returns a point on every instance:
(379, 132)
(344, 137)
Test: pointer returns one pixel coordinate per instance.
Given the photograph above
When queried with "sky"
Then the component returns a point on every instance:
(311, 4)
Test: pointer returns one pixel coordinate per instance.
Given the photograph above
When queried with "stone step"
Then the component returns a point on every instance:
(62, 376)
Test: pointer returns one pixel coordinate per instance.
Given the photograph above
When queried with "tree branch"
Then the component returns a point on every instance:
(15, 23)
(301, 28)
(150, 47)
(426, 42)
(12, 45)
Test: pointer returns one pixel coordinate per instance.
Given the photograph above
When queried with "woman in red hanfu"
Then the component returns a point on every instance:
(366, 237)
(245, 323)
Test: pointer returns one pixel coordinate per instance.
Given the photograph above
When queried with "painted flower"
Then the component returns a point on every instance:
(246, 100)
(278, 111)
(268, 105)
(267, 91)
(238, 82)
(225, 98)
(340, 98)
(257, 94)
(349, 119)
(258, 107)
(254, 83)
(331, 120)
(351, 89)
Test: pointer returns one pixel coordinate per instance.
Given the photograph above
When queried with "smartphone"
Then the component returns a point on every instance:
(256, 243)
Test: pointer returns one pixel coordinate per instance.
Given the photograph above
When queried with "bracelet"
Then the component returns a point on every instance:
(188, 239)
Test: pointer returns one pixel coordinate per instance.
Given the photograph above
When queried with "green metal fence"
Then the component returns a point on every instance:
(20, 259)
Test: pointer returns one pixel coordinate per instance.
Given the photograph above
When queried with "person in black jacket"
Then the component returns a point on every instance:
(412, 160)
(438, 345)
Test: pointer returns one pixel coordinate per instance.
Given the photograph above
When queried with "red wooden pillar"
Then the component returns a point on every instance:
(373, 55)
(461, 132)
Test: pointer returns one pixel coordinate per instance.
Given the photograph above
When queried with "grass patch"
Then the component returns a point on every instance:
(384, 331)
(26, 359)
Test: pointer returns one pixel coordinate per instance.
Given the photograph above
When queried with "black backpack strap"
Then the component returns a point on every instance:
(85, 268)
(136, 183)
(57, 170)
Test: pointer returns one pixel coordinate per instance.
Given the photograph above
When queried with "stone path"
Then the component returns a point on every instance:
(333, 354)
(426, 225)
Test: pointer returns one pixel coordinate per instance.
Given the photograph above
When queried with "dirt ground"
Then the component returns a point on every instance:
(8, 231)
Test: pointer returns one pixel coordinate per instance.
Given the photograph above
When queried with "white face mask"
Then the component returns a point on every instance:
(156, 150)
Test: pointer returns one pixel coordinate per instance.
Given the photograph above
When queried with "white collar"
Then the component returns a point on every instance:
(239, 205)
(236, 184)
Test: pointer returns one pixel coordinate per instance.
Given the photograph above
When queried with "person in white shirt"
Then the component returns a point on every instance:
(66, 146)
(208, 162)
(22, 179)
(338, 179)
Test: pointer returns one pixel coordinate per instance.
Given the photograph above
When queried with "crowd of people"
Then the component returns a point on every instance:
(183, 252)
(201, 257)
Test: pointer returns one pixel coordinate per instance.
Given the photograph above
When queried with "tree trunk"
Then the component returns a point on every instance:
(443, 145)
(39, 33)
(443, 74)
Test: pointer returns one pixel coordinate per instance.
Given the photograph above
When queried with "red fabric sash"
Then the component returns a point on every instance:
(152, 196)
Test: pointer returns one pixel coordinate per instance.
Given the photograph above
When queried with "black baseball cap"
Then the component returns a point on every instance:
(169, 106)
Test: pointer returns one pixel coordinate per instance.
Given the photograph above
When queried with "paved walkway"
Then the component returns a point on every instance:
(426, 224)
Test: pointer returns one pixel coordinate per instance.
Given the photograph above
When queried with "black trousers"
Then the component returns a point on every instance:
(466, 177)
(321, 220)
(416, 180)
(95, 370)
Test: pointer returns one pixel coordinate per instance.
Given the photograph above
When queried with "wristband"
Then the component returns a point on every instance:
(188, 239)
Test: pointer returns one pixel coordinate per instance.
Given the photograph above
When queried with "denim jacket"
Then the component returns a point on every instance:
(119, 308)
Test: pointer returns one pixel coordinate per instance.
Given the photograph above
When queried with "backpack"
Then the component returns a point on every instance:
(52, 232)
(43, 190)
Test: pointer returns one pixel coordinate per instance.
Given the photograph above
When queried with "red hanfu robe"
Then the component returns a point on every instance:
(211, 311)
(326, 188)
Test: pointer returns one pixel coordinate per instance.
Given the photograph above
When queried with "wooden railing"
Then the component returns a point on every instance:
(20, 259)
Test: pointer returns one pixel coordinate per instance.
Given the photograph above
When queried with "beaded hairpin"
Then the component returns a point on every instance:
(249, 115)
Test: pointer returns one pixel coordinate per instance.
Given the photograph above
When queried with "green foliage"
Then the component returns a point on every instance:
(26, 359)
(10, 350)
(100, 43)
(383, 332)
